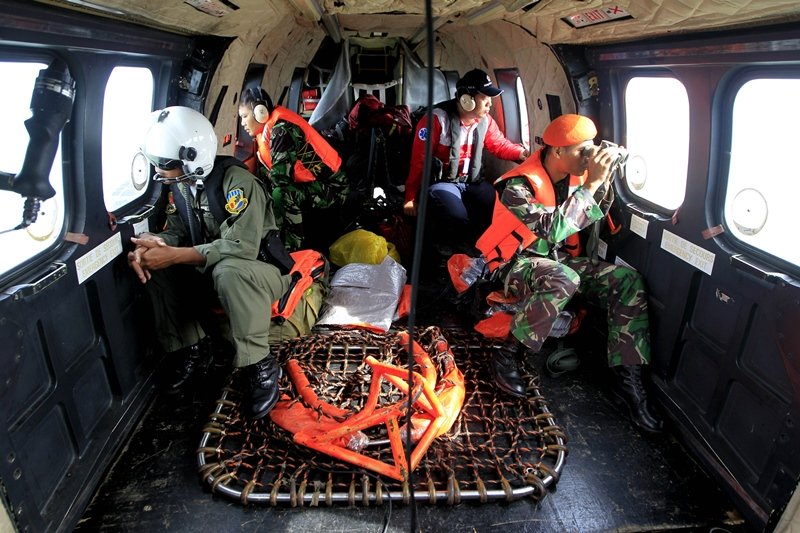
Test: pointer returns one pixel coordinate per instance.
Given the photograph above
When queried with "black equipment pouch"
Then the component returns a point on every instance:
(273, 252)
(437, 170)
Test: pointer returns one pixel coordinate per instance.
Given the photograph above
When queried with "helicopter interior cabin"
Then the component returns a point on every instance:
(702, 95)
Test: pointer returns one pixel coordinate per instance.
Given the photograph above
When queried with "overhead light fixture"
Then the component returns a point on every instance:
(485, 14)
(84, 3)
(522, 4)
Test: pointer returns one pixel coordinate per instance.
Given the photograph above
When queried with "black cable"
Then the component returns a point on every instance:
(417, 259)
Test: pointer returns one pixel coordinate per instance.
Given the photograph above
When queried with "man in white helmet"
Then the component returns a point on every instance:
(219, 242)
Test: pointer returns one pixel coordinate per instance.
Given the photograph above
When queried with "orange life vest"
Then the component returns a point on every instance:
(327, 155)
(309, 266)
(507, 234)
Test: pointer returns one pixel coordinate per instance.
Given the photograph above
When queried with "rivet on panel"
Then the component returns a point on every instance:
(11, 457)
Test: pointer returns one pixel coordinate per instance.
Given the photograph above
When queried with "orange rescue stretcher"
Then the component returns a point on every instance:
(337, 432)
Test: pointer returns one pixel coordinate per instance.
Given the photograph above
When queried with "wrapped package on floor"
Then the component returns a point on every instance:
(364, 295)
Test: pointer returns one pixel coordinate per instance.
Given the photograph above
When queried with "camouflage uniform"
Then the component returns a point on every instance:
(288, 144)
(546, 285)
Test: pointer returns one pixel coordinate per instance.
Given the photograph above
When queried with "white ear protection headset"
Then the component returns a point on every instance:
(465, 99)
(261, 105)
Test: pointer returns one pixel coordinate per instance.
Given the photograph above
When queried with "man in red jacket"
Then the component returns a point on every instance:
(461, 200)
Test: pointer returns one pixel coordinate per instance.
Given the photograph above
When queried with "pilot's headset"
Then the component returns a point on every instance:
(262, 104)
(466, 97)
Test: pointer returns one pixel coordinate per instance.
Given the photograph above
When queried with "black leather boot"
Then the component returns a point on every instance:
(628, 389)
(187, 363)
(264, 393)
(505, 369)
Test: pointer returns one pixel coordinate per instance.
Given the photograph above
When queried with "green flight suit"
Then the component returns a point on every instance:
(182, 296)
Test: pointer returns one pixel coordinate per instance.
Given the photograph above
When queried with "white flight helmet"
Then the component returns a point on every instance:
(180, 137)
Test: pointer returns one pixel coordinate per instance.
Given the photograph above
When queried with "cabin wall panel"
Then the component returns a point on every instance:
(26, 376)
(761, 358)
(696, 375)
(45, 452)
(750, 425)
(272, 45)
(725, 353)
(719, 313)
(91, 396)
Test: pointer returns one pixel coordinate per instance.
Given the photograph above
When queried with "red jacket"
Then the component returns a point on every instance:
(440, 133)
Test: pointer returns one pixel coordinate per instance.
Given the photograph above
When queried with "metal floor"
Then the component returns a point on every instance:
(615, 479)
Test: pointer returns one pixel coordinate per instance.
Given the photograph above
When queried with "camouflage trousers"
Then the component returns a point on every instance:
(545, 286)
(290, 199)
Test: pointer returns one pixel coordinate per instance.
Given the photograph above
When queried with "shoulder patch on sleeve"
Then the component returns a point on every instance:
(170, 209)
(235, 201)
(422, 134)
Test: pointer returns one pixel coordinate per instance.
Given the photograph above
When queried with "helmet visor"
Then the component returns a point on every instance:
(163, 163)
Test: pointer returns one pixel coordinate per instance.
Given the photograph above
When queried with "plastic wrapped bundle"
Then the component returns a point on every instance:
(364, 295)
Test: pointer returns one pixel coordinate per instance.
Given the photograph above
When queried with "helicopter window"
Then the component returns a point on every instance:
(19, 242)
(514, 106)
(657, 137)
(763, 180)
(129, 101)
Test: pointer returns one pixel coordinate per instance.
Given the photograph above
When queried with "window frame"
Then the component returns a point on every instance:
(510, 103)
(719, 169)
(621, 187)
(38, 260)
(146, 191)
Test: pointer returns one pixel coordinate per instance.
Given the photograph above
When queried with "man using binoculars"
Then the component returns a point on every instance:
(553, 195)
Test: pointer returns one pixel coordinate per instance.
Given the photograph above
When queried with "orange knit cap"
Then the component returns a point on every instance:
(570, 129)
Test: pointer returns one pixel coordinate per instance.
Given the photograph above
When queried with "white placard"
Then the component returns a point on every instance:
(597, 16)
(621, 262)
(691, 253)
(141, 227)
(98, 257)
(639, 226)
(602, 248)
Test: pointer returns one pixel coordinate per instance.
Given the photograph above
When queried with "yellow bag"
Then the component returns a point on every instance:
(361, 246)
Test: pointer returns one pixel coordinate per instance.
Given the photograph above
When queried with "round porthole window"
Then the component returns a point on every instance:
(749, 211)
(140, 170)
(636, 172)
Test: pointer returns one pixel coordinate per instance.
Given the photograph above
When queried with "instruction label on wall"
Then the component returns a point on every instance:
(639, 226)
(688, 251)
(98, 257)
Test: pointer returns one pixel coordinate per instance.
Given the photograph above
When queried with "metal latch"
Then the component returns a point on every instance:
(135, 218)
(55, 272)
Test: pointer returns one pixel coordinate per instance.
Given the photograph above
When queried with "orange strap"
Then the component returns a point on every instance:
(309, 266)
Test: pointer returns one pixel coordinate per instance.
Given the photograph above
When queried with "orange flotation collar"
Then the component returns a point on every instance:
(331, 430)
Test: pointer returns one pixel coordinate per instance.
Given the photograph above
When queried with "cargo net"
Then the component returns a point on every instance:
(499, 448)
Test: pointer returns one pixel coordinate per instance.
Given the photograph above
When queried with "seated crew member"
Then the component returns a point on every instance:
(218, 222)
(461, 200)
(304, 170)
(552, 194)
